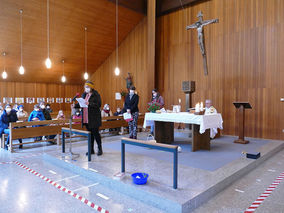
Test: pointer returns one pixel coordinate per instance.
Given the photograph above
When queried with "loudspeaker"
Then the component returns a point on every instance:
(188, 86)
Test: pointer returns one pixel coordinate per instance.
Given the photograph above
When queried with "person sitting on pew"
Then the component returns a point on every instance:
(60, 115)
(119, 113)
(45, 112)
(21, 112)
(77, 115)
(1, 109)
(15, 107)
(106, 112)
(9, 115)
(36, 115)
(48, 108)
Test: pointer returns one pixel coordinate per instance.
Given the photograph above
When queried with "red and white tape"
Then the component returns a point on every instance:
(265, 194)
(64, 189)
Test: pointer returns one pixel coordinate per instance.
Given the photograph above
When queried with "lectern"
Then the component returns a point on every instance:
(242, 106)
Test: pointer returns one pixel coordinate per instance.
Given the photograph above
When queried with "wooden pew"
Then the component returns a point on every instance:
(22, 130)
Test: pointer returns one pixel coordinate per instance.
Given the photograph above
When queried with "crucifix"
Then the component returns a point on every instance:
(199, 26)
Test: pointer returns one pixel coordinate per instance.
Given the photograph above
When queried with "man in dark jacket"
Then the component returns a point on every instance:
(91, 115)
(9, 115)
(45, 112)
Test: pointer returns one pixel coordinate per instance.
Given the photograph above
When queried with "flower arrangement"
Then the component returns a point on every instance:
(153, 106)
(123, 93)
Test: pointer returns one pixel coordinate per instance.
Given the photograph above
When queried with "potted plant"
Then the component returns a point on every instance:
(153, 106)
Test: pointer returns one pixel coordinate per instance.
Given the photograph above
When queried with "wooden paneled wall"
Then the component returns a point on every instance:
(245, 52)
(39, 90)
(132, 58)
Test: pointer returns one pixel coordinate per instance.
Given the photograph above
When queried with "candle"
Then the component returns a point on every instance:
(201, 106)
(197, 107)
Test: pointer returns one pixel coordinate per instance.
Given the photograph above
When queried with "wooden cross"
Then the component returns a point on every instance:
(199, 26)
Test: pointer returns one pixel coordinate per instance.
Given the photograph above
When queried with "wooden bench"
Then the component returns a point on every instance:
(22, 130)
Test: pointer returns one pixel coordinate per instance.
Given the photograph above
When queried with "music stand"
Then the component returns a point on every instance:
(241, 106)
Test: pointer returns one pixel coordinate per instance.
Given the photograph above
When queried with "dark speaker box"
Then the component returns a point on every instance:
(188, 86)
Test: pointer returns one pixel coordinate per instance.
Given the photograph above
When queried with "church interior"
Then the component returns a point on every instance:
(142, 106)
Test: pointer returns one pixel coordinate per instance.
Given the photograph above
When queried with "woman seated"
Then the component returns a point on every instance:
(106, 112)
(22, 114)
(77, 115)
(8, 115)
(60, 115)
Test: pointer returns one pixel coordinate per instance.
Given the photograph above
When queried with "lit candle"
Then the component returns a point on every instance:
(197, 107)
(201, 106)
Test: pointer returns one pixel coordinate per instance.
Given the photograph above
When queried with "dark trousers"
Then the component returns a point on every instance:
(95, 134)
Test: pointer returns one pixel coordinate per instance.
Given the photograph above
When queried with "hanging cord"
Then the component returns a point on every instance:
(184, 11)
(86, 51)
(116, 31)
(47, 12)
(21, 28)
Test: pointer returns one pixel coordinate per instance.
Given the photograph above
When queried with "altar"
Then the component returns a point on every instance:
(201, 125)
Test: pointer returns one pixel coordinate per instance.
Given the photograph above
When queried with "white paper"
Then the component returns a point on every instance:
(82, 103)
(117, 96)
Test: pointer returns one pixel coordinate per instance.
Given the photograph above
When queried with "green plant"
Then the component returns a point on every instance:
(153, 107)
(123, 93)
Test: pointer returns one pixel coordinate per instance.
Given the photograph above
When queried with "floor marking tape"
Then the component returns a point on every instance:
(85, 187)
(264, 195)
(64, 189)
(67, 178)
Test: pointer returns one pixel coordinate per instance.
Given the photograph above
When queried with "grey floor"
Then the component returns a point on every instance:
(22, 191)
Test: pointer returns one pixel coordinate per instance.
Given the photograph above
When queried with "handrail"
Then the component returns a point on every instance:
(158, 146)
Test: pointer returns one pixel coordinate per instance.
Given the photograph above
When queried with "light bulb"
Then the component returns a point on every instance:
(86, 76)
(22, 70)
(4, 75)
(48, 63)
(63, 79)
(116, 71)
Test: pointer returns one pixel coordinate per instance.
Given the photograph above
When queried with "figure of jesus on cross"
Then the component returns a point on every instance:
(199, 26)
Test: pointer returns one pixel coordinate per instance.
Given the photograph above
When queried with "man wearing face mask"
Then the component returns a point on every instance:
(91, 116)
(45, 112)
(48, 108)
(9, 115)
(131, 106)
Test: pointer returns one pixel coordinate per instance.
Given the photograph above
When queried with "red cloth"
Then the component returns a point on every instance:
(85, 110)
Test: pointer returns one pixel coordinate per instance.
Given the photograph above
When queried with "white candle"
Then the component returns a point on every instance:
(201, 106)
(197, 108)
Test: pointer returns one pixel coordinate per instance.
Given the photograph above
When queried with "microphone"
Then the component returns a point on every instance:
(76, 96)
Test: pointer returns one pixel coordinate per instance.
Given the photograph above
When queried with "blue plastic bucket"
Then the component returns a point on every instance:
(139, 178)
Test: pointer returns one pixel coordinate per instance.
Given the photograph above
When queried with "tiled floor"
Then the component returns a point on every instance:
(22, 191)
